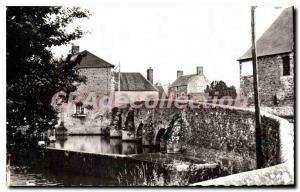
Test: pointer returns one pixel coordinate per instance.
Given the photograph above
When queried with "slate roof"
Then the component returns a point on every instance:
(182, 80)
(90, 60)
(134, 82)
(277, 39)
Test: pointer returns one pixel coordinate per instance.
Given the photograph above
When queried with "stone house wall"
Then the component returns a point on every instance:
(99, 84)
(197, 84)
(271, 82)
(98, 80)
(178, 90)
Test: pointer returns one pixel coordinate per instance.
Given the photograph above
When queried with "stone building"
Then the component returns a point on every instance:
(133, 87)
(104, 89)
(275, 61)
(188, 85)
(78, 117)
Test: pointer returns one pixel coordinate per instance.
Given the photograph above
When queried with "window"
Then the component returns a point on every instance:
(286, 65)
(275, 100)
(177, 95)
(182, 94)
(79, 108)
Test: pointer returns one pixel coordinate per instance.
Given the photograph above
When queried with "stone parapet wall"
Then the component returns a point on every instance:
(287, 111)
(223, 129)
(280, 174)
(138, 169)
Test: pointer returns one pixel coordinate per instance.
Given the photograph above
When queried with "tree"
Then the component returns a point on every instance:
(33, 74)
(220, 89)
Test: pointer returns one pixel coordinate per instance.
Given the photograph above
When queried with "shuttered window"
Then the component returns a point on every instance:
(79, 108)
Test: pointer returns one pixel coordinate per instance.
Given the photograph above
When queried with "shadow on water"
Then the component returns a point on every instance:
(26, 176)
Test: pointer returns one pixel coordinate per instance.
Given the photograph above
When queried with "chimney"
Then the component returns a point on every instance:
(75, 49)
(150, 75)
(199, 70)
(179, 73)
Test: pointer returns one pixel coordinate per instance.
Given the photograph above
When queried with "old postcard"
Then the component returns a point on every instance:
(154, 94)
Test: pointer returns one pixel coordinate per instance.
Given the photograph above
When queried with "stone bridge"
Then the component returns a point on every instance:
(197, 127)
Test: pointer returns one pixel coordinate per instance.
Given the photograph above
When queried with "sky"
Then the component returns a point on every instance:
(171, 37)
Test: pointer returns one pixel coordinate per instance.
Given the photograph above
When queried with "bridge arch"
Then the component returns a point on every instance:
(213, 126)
(177, 133)
(116, 123)
(139, 131)
(159, 135)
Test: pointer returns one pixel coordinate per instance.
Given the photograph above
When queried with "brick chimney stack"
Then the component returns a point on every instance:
(150, 75)
(199, 70)
(75, 49)
(179, 73)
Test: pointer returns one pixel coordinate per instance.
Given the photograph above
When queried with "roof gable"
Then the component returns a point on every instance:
(277, 39)
(91, 61)
(134, 82)
(182, 80)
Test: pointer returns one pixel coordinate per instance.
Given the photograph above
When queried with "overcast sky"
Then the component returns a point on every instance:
(171, 37)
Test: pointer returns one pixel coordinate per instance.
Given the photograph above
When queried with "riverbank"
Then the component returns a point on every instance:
(135, 169)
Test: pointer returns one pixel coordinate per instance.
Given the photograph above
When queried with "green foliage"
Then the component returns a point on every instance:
(220, 89)
(33, 74)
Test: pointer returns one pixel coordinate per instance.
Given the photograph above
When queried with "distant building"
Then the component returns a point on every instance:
(188, 85)
(275, 54)
(161, 91)
(134, 87)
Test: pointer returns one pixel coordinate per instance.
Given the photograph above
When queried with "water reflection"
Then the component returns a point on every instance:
(100, 144)
(150, 149)
(115, 145)
(128, 148)
(61, 140)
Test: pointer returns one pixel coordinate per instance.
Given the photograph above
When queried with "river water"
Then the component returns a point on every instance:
(92, 144)
(100, 144)
(25, 176)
